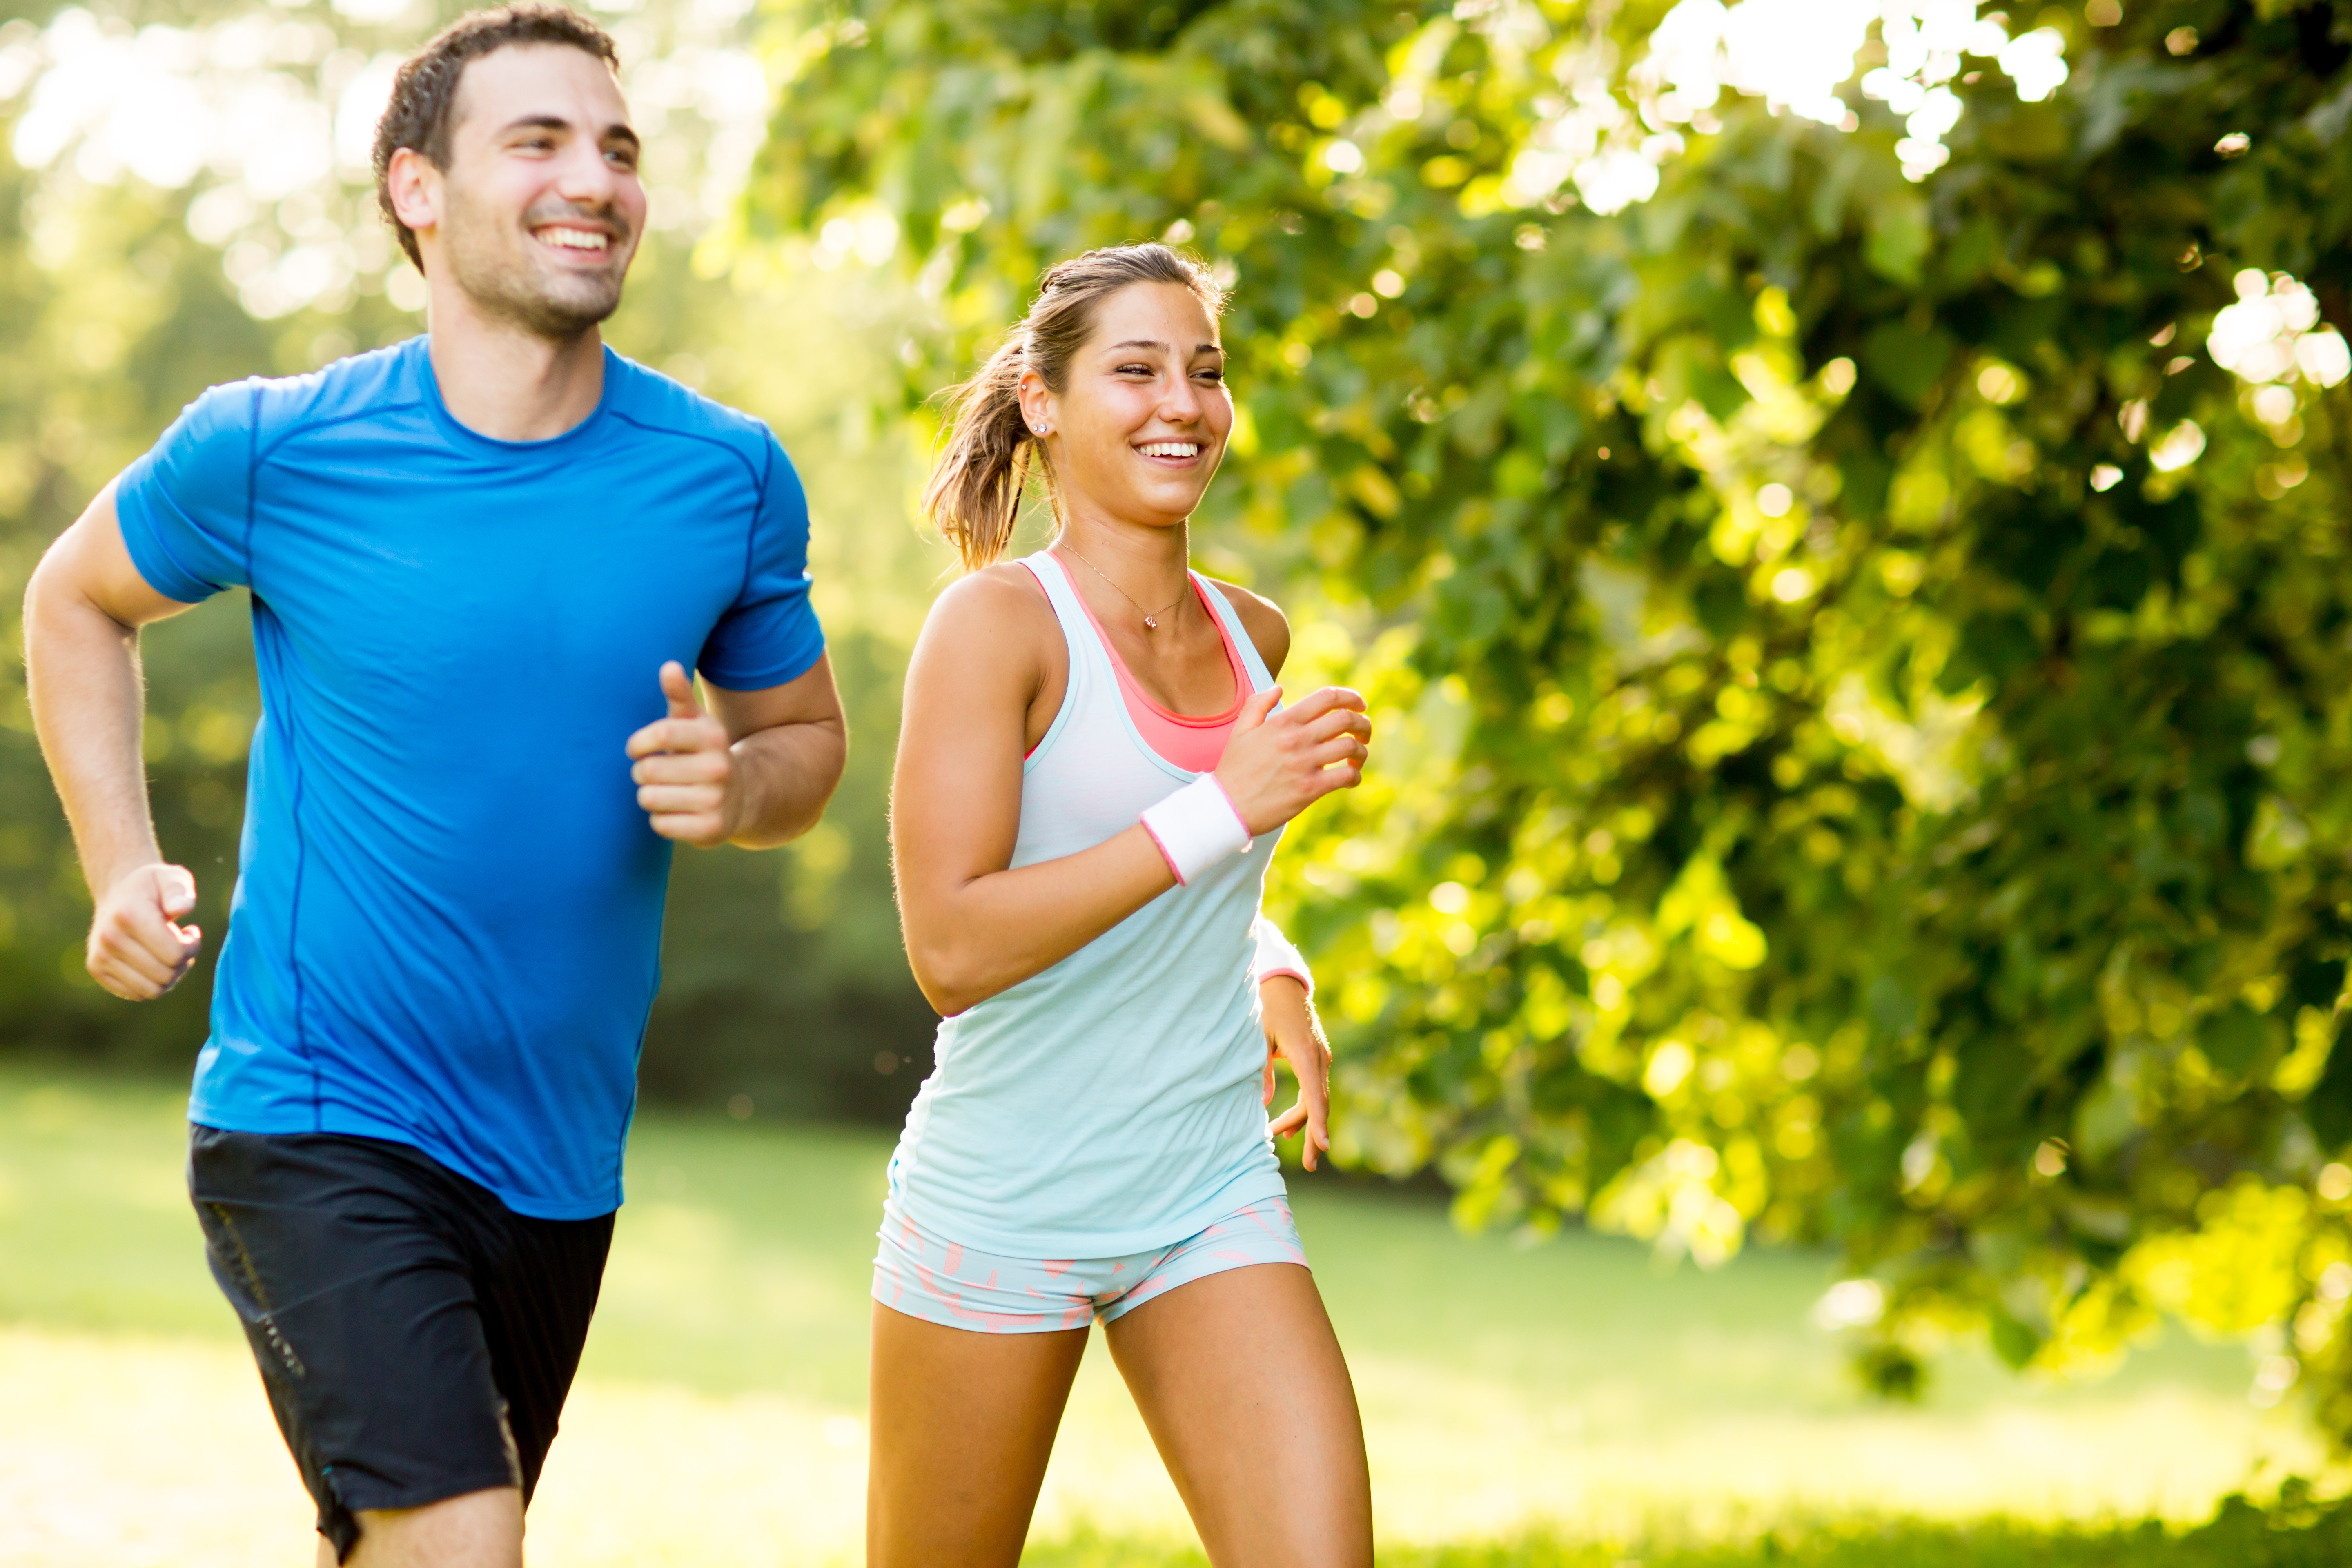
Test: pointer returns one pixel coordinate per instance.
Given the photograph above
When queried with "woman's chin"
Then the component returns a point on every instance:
(1177, 496)
(1156, 506)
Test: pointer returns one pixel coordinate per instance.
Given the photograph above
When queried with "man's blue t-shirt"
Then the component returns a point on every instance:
(448, 921)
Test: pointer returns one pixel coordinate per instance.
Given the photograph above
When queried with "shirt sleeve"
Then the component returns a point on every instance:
(770, 634)
(186, 507)
(1277, 954)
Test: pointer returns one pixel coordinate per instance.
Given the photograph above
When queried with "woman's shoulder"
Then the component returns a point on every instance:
(996, 609)
(998, 598)
(993, 637)
(1260, 616)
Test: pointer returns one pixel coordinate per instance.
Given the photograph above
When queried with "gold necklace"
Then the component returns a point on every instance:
(1151, 621)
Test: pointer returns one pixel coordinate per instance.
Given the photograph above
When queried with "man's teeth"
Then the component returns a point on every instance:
(1170, 450)
(575, 238)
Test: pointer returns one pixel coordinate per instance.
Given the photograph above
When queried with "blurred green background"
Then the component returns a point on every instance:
(1837, 506)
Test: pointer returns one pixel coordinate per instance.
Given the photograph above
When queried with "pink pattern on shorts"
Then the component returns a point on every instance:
(968, 1289)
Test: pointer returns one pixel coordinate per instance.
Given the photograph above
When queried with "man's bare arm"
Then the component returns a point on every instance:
(756, 770)
(82, 613)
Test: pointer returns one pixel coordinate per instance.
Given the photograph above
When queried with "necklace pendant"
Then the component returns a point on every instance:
(1150, 624)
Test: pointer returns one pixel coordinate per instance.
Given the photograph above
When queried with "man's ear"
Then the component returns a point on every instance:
(415, 187)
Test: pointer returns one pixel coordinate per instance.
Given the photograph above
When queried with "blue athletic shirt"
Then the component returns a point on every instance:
(447, 918)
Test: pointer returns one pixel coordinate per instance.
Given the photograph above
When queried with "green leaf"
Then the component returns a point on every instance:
(2236, 1039)
(1897, 237)
(2328, 1108)
(1907, 361)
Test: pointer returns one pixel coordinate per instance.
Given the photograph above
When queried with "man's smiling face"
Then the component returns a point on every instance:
(541, 205)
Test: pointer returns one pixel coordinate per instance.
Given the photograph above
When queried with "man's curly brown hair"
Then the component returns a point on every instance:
(424, 93)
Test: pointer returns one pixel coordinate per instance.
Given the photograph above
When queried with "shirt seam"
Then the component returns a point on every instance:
(255, 456)
(758, 514)
(312, 426)
(758, 483)
(253, 460)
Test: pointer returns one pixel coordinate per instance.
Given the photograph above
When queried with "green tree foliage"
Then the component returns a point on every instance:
(122, 298)
(1863, 692)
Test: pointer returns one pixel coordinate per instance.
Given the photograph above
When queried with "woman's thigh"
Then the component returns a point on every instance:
(963, 1423)
(1240, 1379)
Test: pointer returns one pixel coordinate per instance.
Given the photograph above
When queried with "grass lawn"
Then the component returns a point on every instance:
(1569, 1406)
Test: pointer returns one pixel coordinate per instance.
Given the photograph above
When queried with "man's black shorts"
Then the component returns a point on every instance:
(416, 1336)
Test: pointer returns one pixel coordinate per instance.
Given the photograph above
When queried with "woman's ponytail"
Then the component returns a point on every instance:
(975, 489)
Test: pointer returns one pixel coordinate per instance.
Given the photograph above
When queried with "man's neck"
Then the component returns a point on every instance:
(499, 380)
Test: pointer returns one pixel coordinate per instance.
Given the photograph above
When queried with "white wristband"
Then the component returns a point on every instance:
(1196, 827)
(1277, 954)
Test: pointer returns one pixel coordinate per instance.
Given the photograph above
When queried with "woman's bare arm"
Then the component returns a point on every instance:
(973, 926)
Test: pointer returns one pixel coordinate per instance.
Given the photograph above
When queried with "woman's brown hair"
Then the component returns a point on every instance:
(975, 488)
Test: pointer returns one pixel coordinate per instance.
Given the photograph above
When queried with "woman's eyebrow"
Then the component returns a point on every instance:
(1155, 343)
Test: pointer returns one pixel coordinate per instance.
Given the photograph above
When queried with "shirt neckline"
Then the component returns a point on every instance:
(458, 431)
(1126, 678)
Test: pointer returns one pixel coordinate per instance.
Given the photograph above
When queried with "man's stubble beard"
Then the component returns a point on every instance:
(518, 287)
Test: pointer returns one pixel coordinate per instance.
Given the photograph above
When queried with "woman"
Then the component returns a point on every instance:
(1092, 774)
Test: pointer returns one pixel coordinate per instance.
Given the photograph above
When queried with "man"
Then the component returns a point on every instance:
(478, 562)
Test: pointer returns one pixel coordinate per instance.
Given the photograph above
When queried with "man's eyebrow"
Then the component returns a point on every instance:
(615, 133)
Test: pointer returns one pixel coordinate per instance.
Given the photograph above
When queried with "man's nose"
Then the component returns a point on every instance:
(587, 177)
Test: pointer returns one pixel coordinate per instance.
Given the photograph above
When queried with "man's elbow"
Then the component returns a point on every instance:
(45, 588)
(55, 601)
(824, 773)
(782, 827)
(65, 596)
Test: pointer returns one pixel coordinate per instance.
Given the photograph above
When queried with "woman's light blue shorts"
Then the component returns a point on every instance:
(958, 1287)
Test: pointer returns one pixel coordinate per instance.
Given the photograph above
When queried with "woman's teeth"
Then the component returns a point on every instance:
(1170, 450)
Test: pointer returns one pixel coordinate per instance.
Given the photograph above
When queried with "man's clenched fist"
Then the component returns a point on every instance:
(685, 768)
(138, 949)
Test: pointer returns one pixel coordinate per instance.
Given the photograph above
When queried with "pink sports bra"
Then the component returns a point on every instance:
(1196, 745)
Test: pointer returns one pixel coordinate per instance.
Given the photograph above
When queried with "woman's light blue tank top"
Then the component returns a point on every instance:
(1108, 1104)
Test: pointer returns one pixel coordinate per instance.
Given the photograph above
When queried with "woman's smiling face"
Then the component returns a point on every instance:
(1139, 430)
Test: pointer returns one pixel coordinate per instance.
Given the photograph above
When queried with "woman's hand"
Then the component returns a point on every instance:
(1277, 767)
(1293, 1032)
